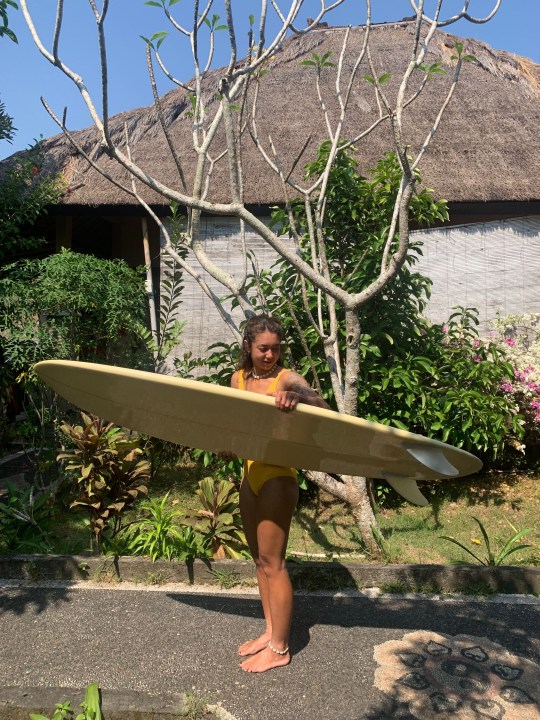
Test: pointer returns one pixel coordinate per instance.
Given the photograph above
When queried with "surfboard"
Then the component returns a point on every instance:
(215, 418)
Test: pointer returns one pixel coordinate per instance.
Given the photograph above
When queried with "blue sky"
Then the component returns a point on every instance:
(26, 75)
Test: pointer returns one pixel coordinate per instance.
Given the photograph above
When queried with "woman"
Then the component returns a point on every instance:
(269, 493)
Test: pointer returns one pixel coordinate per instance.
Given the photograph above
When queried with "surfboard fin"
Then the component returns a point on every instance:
(434, 459)
(407, 488)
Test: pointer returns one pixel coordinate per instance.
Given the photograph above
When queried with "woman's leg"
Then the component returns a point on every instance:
(275, 507)
(248, 511)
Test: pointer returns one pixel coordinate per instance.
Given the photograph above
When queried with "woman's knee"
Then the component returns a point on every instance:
(270, 565)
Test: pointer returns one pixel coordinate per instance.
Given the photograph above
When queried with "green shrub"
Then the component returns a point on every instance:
(109, 471)
(24, 515)
(160, 535)
(219, 520)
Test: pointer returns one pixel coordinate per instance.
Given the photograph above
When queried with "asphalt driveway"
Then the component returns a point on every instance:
(355, 656)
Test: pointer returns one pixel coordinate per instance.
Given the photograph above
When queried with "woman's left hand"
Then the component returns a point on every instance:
(287, 400)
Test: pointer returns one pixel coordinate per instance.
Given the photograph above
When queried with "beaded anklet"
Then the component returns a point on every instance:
(278, 652)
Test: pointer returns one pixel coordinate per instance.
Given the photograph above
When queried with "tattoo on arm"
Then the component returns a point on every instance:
(307, 394)
(302, 389)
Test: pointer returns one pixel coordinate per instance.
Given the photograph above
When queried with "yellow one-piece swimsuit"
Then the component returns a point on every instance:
(257, 473)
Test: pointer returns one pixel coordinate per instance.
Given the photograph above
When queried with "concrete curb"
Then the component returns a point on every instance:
(16, 703)
(306, 575)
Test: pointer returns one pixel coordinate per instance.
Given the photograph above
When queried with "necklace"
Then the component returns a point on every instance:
(264, 375)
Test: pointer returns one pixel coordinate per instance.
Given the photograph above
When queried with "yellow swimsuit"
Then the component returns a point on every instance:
(257, 473)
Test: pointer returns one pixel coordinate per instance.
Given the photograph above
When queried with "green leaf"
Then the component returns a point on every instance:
(159, 36)
(456, 542)
(92, 701)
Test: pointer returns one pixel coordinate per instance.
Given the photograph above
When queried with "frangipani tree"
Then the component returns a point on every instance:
(221, 128)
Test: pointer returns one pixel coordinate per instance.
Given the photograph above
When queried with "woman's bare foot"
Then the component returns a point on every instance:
(254, 646)
(265, 660)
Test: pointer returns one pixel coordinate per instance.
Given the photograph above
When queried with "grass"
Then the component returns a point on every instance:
(412, 534)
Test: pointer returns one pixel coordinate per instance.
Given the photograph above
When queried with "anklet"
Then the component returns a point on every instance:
(278, 652)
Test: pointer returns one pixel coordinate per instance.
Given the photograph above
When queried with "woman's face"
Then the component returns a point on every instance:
(265, 350)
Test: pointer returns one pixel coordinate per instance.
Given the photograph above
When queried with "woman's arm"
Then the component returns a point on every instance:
(294, 389)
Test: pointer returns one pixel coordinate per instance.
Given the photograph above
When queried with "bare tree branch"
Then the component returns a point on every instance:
(463, 14)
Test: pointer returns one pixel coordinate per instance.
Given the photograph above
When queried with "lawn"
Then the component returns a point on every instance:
(412, 534)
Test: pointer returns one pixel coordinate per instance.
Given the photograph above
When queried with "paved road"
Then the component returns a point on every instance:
(169, 640)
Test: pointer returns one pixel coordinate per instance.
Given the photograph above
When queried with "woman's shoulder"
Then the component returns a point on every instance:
(237, 378)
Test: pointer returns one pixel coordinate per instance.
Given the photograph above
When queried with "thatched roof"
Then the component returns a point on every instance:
(487, 148)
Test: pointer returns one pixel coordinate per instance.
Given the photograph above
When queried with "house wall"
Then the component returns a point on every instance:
(492, 266)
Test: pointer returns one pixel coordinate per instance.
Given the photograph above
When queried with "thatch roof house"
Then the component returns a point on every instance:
(484, 159)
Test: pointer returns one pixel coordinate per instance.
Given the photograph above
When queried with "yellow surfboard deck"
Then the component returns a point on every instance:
(215, 418)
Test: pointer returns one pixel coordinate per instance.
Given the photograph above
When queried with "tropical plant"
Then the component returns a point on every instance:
(219, 519)
(165, 336)
(159, 533)
(25, 192)
(7, 129)
(24, 515)
(91, 707)
(4, 25)
(493, 558)
(437, 379)
(70, 306)
(448, 386)
(109, 470)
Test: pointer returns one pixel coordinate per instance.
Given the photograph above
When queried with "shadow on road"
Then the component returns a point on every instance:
(517, 630)
(20, 600)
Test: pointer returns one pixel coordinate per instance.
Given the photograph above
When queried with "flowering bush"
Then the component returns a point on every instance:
(445, 383)
(519, 336)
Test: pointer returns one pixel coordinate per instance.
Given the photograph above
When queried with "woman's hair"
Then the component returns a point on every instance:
(256, 325)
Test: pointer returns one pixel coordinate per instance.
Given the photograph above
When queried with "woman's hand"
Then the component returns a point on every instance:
(287, 400)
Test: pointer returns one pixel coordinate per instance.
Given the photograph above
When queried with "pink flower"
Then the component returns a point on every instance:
(509, 341)
(445, 329)
(507, 386)
(477, 358)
